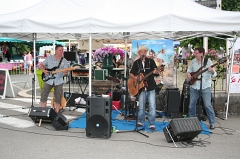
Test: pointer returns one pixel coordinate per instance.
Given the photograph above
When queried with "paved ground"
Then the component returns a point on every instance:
(21, 138)
(26, 140)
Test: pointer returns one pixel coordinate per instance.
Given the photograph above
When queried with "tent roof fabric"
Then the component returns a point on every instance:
(64, 18)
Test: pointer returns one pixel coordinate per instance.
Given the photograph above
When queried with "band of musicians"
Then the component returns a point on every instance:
(141, 77)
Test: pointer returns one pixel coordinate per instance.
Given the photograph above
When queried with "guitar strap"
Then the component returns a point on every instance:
(205, 61)
(60, 62)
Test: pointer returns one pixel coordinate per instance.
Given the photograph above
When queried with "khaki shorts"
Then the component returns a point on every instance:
(58, 90)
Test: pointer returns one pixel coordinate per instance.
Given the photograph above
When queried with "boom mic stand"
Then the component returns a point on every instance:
(136, 127)
(200, 116)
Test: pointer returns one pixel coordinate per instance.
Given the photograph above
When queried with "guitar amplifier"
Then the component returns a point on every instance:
(37, 113)
(181, 129)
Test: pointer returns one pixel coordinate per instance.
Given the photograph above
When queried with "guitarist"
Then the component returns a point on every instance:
(51, 62)
(206, 85)
(145, 65)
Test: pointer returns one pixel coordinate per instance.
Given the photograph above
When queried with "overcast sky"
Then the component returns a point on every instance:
(8, 6)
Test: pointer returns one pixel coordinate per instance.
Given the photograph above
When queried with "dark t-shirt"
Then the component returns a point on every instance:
(149, 66)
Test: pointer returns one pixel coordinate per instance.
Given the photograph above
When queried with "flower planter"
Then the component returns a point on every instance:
(107, 62)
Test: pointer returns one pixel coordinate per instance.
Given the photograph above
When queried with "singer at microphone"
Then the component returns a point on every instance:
(143, 87)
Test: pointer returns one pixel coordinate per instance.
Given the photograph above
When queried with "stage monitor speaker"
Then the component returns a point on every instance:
(173, 101)
(60, 122)
(46, 114)
(98, 117)
(182, 129)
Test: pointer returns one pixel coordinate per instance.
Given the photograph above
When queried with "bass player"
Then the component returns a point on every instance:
(52, 61)
(144, 66)
(197, 62)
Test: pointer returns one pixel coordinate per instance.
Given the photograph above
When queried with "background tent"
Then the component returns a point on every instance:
(75, 19)
(108, 19)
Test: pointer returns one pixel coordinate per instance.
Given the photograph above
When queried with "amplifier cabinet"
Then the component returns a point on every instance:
(183, 129)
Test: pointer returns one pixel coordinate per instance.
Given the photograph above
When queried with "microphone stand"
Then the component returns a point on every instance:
(136, 127)
(200, 95)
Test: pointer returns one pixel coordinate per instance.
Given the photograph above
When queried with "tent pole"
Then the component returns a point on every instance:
(205, 43)
(90, 65)
(125, 61)
(230, 74)
(34, 57)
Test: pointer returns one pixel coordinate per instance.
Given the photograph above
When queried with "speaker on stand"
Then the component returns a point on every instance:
(173, 102)
(98, 117)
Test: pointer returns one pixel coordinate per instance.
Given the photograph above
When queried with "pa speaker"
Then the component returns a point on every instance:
(46, 114)
(181, 129)
(173, 101)
(98, 117)
(60, 122)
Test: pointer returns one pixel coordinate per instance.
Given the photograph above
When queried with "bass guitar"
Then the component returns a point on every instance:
(200, 70)
(136, 86)
(53, 71)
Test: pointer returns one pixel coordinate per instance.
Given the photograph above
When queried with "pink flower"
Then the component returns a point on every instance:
(102, 52)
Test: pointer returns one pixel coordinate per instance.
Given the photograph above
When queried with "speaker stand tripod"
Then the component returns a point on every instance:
(214, 86)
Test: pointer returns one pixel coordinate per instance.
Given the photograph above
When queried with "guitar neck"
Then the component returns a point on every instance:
(57, 71)
(147, 76)
(197, 74)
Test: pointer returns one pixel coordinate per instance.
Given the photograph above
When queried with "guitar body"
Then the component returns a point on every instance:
(135, 87)
(194, 78)
(54, 71)
(50, 76)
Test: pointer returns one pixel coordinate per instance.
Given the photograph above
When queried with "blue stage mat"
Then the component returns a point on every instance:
(128, 125)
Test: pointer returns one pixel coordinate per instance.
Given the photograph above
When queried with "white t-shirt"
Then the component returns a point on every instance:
(184, 52)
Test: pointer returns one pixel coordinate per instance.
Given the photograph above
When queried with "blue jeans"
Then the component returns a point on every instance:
(206, 97)
(152, 108)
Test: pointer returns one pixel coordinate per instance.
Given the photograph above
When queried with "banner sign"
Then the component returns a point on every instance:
(162, 52)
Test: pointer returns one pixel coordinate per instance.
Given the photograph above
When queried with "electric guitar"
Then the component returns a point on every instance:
(53, 71)
(136, 86)
(199, 71)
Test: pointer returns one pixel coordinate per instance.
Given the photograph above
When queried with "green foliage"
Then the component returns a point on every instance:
(231, 5)
(21, 47)
(214, 43)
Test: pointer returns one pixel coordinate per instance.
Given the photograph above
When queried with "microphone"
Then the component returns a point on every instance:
(142, 57)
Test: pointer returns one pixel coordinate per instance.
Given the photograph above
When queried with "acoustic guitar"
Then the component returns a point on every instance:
(136, 86)
(199, 71)
(53, 71)
(62, 104)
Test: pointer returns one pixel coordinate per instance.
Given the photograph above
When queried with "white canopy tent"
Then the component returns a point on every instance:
(109, 19)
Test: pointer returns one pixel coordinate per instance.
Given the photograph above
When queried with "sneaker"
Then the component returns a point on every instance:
(212, 126)
(78, 100)
(152, 127)
(139, 124)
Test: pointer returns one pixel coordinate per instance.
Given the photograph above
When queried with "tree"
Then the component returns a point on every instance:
(214, 43)
(231, 5)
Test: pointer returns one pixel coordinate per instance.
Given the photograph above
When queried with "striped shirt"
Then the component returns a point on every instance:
(206, 76)
(49, 63)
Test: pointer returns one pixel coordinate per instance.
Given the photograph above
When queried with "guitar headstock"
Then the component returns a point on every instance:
(222, 60)
(161, 68)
